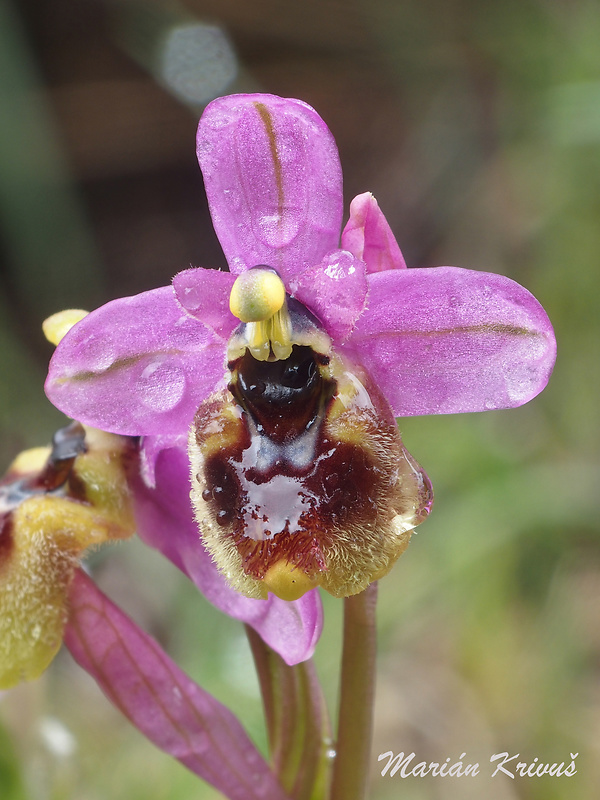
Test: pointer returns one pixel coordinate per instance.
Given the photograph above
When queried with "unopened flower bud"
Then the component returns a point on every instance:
(54, 504)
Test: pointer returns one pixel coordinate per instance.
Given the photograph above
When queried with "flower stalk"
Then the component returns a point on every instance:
(357, 692)
(297, 721)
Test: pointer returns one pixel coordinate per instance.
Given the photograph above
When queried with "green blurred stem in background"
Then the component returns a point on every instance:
(52, 262)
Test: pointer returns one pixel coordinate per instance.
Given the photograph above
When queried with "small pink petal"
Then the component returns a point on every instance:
(132, 366)
(273, 180)
(150, 449)
(165, 521)
(161, 701)
(334, 290)
(447, 340)
(204, 294)
(369, 237)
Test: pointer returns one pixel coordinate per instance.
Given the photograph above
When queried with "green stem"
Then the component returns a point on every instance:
(297, 722)
(357, 690)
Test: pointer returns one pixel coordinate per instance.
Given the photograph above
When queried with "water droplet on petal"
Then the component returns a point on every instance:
(161, 386)
(191, 298)
(98, 353)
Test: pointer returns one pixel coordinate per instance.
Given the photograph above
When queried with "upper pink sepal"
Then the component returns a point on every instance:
(165, 521)
(176, 714)
(369, 237)
(335, 290)
(204, 293)
(447, 340)
(131, 366)
(273, 180)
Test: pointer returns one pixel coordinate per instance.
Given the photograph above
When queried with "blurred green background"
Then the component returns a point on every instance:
(477, 127)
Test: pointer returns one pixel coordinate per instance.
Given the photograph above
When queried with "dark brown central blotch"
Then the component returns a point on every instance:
(283, 397)
(285, 489)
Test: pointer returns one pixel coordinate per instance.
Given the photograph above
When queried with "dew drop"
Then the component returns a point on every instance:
(99, 354)
(223, 517)
(330, 752)
(191, 298)
(161, 386)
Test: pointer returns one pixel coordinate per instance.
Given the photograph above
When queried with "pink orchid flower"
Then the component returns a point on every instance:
(434, 341)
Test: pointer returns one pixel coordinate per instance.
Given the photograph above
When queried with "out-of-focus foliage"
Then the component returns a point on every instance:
(477, 127)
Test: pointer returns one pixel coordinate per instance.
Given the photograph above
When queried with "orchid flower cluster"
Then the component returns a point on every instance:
(242, 421)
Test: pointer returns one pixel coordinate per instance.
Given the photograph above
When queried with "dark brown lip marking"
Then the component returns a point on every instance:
(267, 121)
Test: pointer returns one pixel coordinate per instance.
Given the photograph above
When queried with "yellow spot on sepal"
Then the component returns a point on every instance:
(59, 324)
(287, 581)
